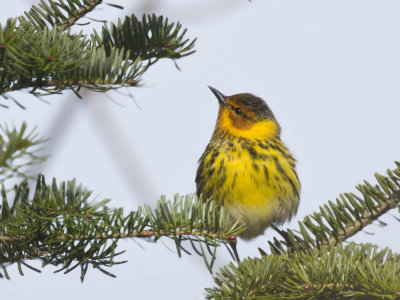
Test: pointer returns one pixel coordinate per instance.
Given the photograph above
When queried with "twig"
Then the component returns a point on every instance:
(69, 84)
(368, 218)
(141, 234)
(80, 13)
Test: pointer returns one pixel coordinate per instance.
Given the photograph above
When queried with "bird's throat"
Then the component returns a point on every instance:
(263, 129)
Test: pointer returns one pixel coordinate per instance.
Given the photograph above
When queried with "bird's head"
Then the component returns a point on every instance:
(245, 115)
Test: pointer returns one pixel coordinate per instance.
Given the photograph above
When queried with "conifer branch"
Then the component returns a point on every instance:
(368, 218)
(61, 14)
(18, 145)
(150, 38)
(357, 271)
(60, 227)
(53, 86)
(81, 12)
(336, 222)
(40, 54)
(141, 234)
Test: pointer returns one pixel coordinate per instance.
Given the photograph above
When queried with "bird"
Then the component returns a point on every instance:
(246, 168)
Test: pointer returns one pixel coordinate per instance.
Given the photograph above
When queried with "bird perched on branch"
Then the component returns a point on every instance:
(246, 168)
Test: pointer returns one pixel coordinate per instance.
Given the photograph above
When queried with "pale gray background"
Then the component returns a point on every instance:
(330, 71)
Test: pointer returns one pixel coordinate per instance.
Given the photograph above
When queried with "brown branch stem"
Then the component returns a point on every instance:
(80, 13)
(308, 287)
(68, 84)
(367, 218)
(141, 234)
(352, 228)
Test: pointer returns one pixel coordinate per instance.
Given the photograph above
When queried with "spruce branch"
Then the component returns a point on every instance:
(59, 226)
(141, 234)
(356, 271)
(336, 222)
(367, 218)
(53, 61)
(151, 38)
(63, 14)
(50, 59)
(17, 151)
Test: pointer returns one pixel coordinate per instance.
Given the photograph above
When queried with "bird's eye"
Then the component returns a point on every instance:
(238, 111)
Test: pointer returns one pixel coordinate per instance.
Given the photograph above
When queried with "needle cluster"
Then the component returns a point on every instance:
(39, 52)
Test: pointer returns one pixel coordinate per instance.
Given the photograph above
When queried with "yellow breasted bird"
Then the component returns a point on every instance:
(246, 167)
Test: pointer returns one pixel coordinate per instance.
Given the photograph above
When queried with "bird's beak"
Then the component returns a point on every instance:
(221, 98)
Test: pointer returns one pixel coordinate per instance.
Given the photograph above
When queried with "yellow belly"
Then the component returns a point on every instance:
(254, 180)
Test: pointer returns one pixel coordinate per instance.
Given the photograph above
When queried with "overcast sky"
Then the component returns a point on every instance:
(329, 70)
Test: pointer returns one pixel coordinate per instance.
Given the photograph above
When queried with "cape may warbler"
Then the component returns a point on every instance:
(246, 167)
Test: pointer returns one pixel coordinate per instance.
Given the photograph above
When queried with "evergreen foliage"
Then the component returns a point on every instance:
(17, 151)
(62, 14)
(151, 38)
(335, 222)
(38, 51)
(61, 227)
(346, 271)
